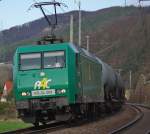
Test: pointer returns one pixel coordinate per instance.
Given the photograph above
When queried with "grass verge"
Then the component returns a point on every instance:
(11, 125)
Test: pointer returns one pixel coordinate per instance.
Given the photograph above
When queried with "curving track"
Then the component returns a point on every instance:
(143, 126)
(140, 125)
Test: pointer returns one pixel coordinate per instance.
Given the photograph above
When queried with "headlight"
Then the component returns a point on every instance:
(25, 94)
(61, 91)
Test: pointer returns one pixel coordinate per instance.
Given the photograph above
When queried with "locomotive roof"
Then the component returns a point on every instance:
(86, 53)
(32, 47)
(75, 48)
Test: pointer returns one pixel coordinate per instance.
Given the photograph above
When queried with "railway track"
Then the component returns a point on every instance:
(139, 124)
(41, 129)
(53, 127)
(58, 126)
(44, 129)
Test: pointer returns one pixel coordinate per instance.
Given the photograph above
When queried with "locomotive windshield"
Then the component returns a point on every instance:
(54, 59)
(30, 61)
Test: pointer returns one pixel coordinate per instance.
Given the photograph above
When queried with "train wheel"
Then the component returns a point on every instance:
(108, 107)
(36, 124)
(92, 112)
(44, 123)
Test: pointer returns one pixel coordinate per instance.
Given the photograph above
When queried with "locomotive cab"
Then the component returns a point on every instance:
(61, 82)
(43, 77)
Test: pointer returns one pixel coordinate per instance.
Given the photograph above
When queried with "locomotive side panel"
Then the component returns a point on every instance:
(90, 79)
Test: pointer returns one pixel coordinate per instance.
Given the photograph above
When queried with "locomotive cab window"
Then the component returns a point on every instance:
(54, 59)
(30, 61)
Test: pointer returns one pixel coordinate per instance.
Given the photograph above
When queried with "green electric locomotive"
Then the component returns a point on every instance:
(61, 81)
(58, 81)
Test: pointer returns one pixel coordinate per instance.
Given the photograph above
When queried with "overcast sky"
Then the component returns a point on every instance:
(15, 12)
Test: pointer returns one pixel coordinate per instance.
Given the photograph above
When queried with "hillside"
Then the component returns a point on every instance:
(38, 27)
(118, 35)
(30, 31)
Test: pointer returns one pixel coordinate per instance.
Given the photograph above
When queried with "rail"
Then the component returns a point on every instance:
(131, 123)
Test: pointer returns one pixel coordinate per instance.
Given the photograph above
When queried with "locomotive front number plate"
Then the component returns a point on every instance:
(43, 92)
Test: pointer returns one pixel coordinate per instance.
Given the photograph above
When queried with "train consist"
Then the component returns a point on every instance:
(61, 81)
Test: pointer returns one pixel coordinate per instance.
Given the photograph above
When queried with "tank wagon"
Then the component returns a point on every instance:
(62, 81)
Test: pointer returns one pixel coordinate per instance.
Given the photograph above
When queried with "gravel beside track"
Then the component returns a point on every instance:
(143, 126)
(104, 125)
(131, 123)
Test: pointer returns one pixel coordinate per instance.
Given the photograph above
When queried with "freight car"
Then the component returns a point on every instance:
(62, 81)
